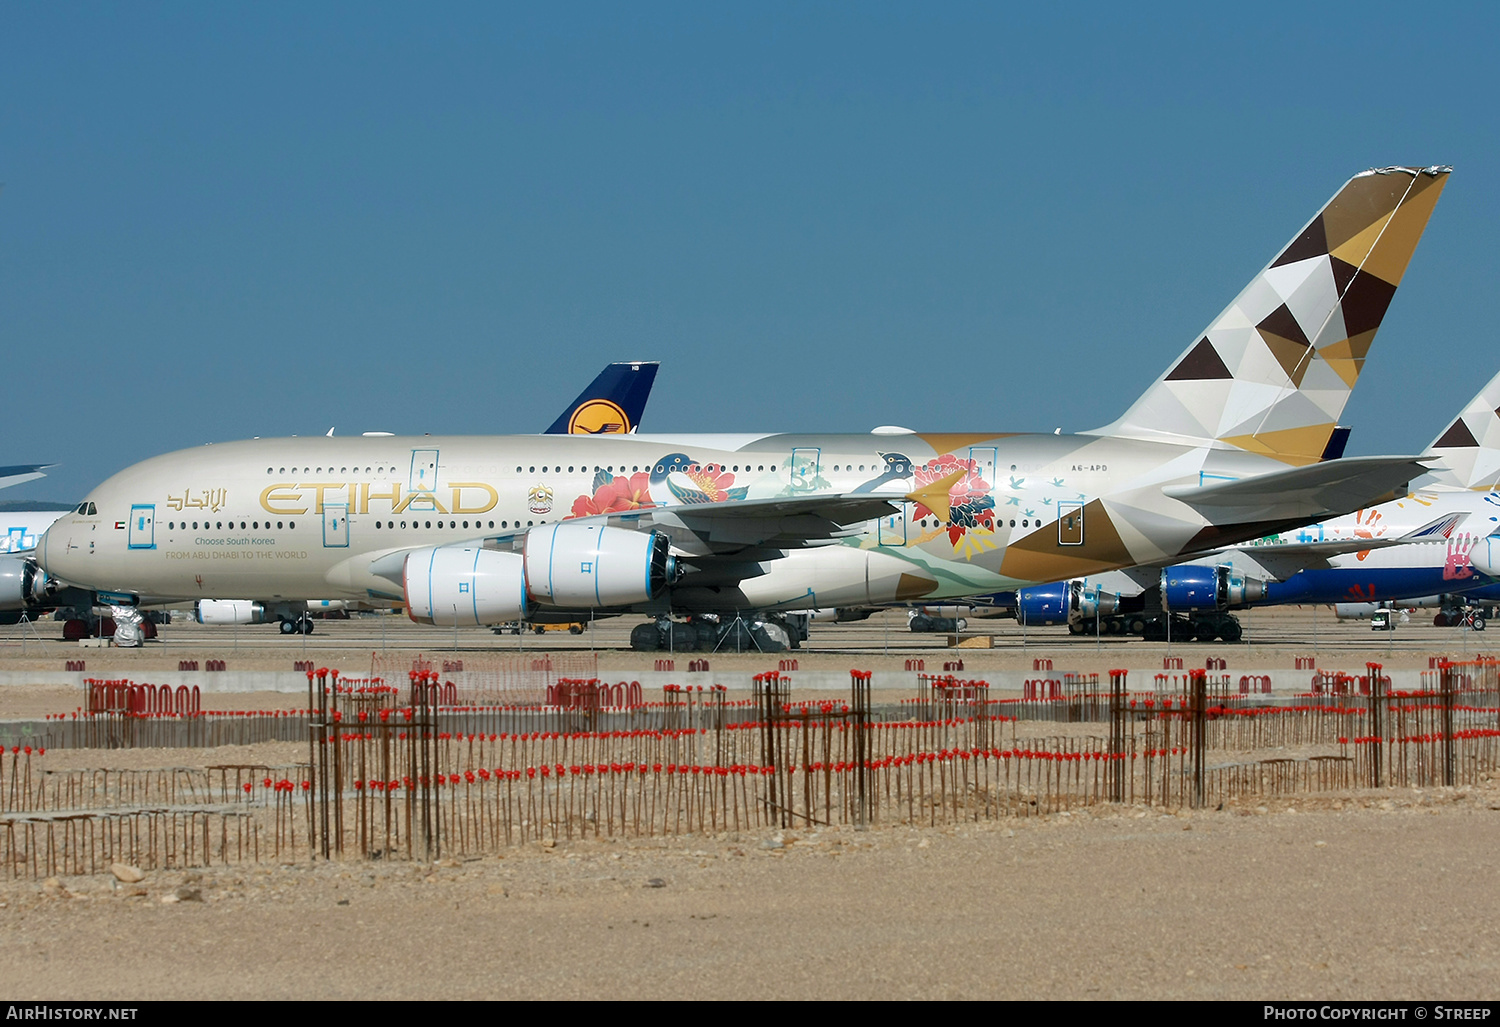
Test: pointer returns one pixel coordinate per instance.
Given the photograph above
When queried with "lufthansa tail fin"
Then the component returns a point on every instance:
(1470, 447)
(1272, 373)
(613, 402)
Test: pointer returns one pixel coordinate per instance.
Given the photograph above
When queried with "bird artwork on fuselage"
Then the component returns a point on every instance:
(689, 482)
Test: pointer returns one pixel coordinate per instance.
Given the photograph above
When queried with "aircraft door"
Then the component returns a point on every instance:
(891, 530)
(803, 468)
(335, 527)
(1070, 524)
(983, 459)
(424, 471)
(140, 533)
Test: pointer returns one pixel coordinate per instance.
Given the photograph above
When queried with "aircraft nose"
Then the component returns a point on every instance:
(53, 550)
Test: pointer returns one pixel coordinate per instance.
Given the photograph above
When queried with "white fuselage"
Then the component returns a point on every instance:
(308, 518)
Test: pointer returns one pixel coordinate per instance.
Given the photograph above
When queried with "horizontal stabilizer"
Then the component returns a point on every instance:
(1319, 490)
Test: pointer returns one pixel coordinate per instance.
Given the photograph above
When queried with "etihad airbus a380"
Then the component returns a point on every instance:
(1225, 446)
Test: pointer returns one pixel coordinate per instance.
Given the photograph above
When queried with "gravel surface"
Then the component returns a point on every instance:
(1378, 896)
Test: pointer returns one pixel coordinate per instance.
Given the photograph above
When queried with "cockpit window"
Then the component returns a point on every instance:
(83, 508)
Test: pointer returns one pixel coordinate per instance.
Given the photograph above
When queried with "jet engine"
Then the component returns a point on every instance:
(1485, 556)
(586, 566)
(468, 585)
(1090, 602)
(23, 585)
(1043, 604)
(575, 566)
(228, 611)
(1062, 601)
(1189, 587)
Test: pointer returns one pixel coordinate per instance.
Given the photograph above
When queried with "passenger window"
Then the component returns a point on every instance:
(291, 524)
(278, 525)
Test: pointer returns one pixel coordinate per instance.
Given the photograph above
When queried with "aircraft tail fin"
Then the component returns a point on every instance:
(613, 402)
(1272, 373)
(1470, 447)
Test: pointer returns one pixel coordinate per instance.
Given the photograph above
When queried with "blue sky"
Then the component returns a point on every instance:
(270, 219)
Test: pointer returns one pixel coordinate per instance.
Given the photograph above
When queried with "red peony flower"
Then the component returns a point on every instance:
(619, 493)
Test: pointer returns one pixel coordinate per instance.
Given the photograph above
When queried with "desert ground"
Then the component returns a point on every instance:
(1364, 895)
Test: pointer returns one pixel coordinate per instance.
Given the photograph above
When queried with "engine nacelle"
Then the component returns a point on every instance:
(464, 585)
(1190, 587)
(1062, 602)
(587, 566)
(228, 611)
(23, 585)
(1485, 556)
(1043, 604)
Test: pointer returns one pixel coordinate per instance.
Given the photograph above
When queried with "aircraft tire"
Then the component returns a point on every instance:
(288, 627)
(1205, 630)
(644, 638)
(307, 625)
(1230, 631)
(1477, 622)
(1137, 626)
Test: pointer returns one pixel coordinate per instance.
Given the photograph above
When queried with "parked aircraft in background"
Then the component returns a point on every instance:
(1224, 447)
(1435, 547)
(19, 532)
(18, 473)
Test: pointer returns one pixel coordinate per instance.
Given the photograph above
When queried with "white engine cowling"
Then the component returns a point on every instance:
(464, 585)
(1485, 556)
(228, 611)
(587, 566)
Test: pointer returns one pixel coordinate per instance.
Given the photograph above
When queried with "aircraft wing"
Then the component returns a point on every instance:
(734, 536)
(20, 473)
(792, 522)
(1279, 560)
(1315, 491)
